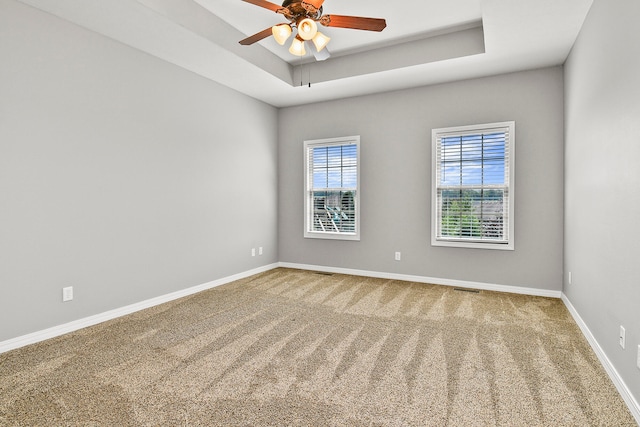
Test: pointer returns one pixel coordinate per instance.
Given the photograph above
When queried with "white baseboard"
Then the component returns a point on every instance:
(624, 391)
(431, 280)
(75, 325)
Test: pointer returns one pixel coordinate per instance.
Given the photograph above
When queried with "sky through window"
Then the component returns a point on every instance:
(335, 167)
(473, 159)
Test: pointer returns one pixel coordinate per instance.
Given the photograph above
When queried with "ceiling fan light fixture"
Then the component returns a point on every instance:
(303, 17)
(307, 29)
(320, 41)
(281, 33)
(297, 47)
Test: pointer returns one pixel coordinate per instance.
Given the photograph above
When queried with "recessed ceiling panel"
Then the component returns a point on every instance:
(425, 42)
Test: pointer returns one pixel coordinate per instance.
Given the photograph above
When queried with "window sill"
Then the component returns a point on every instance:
(473, 245)
(331, 236)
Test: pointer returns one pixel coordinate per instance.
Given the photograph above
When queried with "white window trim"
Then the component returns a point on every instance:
(468, 243)
(308, 233)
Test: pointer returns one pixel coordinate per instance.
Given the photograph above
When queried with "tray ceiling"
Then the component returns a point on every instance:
(425, 42)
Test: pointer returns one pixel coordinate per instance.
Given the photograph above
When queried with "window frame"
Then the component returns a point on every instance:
(510, 143)
(308, 197)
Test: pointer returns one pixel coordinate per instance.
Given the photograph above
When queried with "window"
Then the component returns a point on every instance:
(332, 192)
(473, 186)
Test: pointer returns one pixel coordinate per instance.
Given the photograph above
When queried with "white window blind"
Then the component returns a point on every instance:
(332, 188)
(473, 186)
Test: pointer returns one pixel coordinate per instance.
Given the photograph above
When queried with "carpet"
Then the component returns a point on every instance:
(297, 348)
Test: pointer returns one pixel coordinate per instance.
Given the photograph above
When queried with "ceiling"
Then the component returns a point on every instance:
(425, 42)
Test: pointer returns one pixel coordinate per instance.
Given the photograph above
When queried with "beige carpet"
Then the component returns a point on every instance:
(289, 347)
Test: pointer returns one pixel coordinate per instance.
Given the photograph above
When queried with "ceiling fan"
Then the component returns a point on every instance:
(304, 16)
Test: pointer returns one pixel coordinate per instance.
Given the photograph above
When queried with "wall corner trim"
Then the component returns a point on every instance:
(619, 383)
(32, 338)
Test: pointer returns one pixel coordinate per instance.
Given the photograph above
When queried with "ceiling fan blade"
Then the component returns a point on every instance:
(320, 56)
(264, 3)
(315, 3)
(257, 37)
(355, 22)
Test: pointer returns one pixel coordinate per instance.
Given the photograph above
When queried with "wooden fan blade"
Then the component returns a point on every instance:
(316, 3)
(355, 22)
(264, 3)
(256, 37)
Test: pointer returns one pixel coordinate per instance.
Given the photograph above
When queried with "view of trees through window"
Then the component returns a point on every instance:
(472, 213)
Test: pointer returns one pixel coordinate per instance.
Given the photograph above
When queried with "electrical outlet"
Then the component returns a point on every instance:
(67, 293)
(638, 361)
(260, 250)
(398, 256)
(570, 281)
(623, 334)
(253, 251)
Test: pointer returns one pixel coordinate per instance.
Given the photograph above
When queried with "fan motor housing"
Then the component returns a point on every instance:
(299, 10)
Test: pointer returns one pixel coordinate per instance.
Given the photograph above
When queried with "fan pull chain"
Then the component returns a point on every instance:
(301, 66)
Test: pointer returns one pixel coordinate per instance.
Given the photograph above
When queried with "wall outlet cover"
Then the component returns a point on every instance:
(67, 293)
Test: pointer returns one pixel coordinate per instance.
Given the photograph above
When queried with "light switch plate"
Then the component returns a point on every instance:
(67, 293)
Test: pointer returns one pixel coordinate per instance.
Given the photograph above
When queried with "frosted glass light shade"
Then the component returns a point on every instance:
(320, 41)
(281, 33)
(297, 47)
(307, 29)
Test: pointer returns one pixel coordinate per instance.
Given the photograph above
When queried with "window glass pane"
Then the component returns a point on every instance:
(320, 178)
(472, 172)
(493, 172)
(471, 147)
(334, 156)
(349, 177)
(334, 211)
(492, 214)
(320, 157)
(335, 178)
(459, 214)
(349, 155)
(451, 174)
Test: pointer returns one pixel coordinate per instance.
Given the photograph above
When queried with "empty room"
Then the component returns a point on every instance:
(319, 213)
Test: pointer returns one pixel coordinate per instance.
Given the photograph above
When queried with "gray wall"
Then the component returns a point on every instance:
(120, 174)
(602, 207)
(396, 178)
